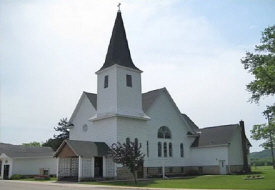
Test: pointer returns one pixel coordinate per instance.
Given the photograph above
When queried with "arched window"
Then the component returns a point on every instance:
(159, 149)
(181, 150)
(165, 149)
(170, 150)
(164, 133)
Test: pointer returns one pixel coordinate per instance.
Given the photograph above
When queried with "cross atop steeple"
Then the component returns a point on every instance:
(119, 7)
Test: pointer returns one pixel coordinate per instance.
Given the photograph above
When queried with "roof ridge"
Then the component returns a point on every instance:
(227, 125)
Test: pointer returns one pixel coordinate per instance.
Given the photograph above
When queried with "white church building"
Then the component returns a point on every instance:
(120, 110)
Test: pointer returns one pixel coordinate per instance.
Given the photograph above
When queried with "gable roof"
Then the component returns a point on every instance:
(190, 122)
(20, 151)
(214, 136)
(92, 97)
(118, 50)
(85, 149)
(148, 98)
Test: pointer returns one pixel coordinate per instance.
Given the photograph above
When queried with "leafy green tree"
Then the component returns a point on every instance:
(34, 143)
(58, 139)
(129, 155)
(261, 64)
(267, 133)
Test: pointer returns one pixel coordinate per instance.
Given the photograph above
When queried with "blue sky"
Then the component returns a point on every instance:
(50, 51)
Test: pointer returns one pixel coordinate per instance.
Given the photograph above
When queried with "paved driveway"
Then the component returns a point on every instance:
(30, 185)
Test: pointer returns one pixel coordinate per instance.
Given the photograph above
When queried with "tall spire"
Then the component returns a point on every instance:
(118, 50)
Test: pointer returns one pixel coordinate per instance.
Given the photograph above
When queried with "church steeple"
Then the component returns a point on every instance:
(118, 50)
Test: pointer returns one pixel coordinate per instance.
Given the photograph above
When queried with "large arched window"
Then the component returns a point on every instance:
(164, 133)
(159, 149)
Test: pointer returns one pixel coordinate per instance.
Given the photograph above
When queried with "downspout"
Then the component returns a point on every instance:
(244, 147)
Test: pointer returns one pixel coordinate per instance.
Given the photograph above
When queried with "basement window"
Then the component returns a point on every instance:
(129, 80)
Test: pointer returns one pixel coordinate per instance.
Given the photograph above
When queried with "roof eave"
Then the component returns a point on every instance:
(210, 146)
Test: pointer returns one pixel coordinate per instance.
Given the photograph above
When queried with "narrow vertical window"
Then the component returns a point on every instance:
(170, 150)
(106, 81)
(159, 149)
(136, 146)
(147, 148)
(165, 149)
(181, 150)
(129, 80)
(128, 140)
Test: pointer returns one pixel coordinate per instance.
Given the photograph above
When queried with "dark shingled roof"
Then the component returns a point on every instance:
(190, 122)
(147, 98)
(212, 136)
(16, 151)
(93, 98)
(87, 149)
(118, 50)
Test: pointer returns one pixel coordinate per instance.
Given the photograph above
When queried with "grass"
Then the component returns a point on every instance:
(32, 179)
(208, 181)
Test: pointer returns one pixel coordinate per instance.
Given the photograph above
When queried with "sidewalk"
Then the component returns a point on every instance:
(77, 184)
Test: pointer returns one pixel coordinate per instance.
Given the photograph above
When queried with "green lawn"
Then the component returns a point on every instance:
(32, 179)
(209, 181)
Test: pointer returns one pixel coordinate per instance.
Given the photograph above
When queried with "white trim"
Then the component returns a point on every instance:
(34, 157)
(57, 169)
(119, 66)
(109, 115)
(79, 168)
(209, 146)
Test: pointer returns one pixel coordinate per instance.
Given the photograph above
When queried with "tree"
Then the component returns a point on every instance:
(129, 155)
(63, 128)
(58, 139)
(266, 132)
(261, 64)
(34, 143)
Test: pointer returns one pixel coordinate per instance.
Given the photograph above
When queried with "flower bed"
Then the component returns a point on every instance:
(42, 177)
(254, 177)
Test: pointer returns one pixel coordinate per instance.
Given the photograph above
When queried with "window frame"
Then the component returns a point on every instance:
(165, 149)
(181, 150)
(106, 81)
(170, 148)
(164, 133)
(129, 82)
(159, 149)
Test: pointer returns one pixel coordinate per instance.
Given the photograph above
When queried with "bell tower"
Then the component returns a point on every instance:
(119, 80)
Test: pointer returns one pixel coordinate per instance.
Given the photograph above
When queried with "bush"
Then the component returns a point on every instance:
(16, 176)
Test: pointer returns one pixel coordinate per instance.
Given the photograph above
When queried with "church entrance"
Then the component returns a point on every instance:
(6, 171)
(140, 170)
(98, 167)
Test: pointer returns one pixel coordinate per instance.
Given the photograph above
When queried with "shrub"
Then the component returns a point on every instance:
(16, 176)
